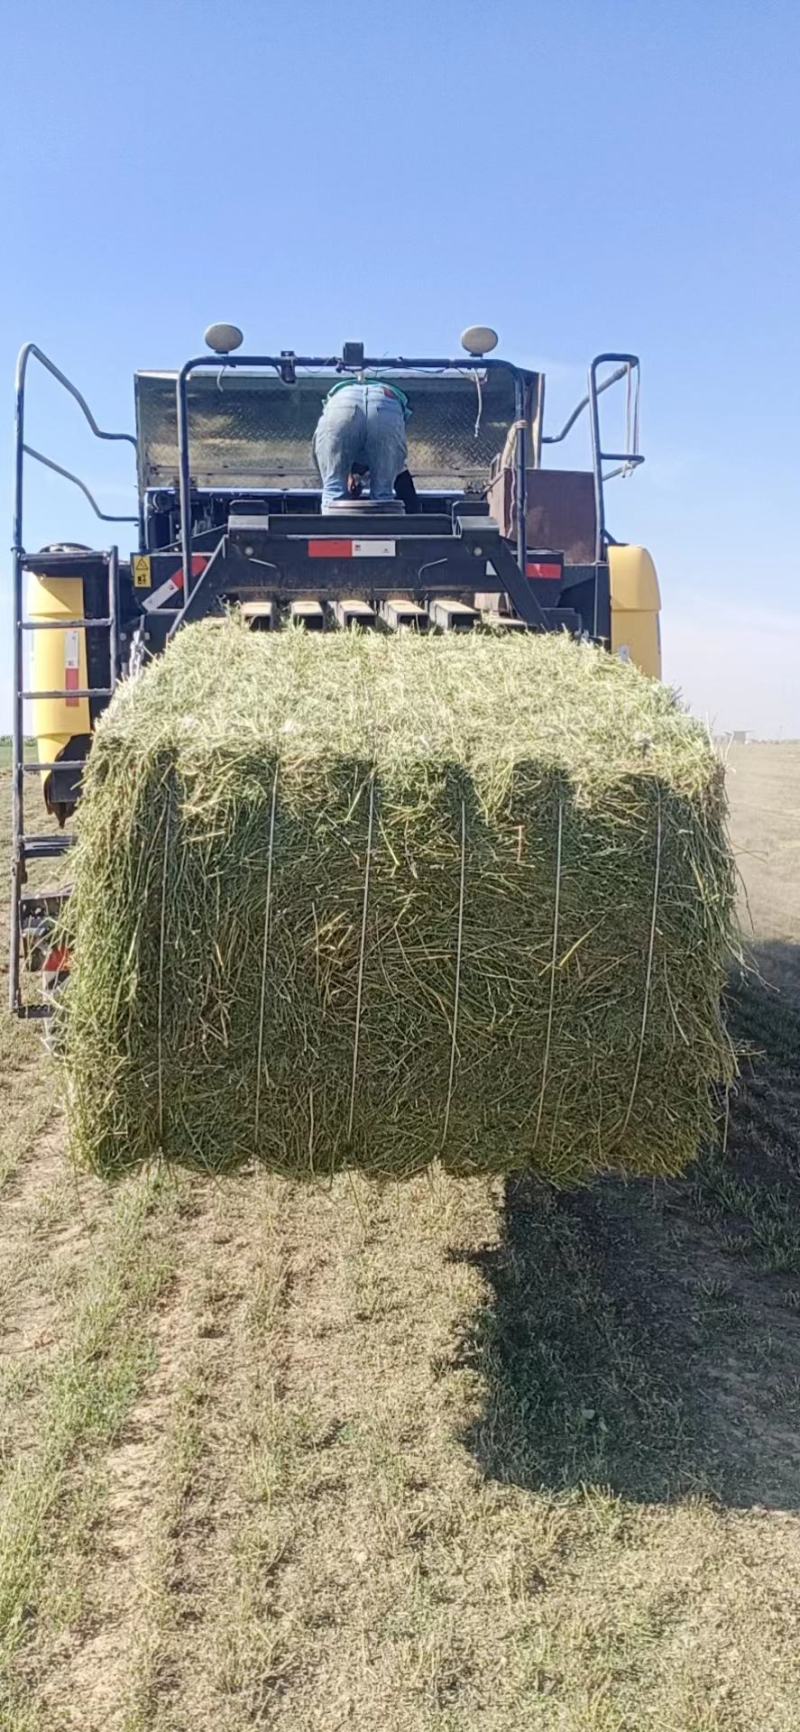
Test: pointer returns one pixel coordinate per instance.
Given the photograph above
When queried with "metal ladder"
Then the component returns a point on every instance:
(44, 847)
(29, 848)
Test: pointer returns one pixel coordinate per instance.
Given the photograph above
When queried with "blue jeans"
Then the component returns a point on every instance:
(361, 424)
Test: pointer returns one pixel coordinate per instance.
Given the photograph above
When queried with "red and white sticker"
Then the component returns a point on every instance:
(72, 667)
(543, 568)
(174, 583)
(328, 548)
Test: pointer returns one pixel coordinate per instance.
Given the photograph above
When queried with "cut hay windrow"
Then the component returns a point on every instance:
(378, 900)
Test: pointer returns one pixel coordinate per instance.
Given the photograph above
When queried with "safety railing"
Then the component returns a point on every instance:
(22, 450)
(625, 367)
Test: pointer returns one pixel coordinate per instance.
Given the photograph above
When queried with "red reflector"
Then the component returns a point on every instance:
(72, 666)
(56, 962)
(329, 549)
(539, 568)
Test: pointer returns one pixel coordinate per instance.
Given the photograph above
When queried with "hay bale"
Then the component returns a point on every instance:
(365, 900)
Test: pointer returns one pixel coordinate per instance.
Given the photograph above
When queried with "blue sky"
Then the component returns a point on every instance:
(583, 174)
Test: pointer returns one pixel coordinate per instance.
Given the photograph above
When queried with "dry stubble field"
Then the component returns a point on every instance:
(424, 1459)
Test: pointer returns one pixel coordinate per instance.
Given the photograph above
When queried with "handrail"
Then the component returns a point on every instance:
(28, 350)
(626, 460)
(556, 438)
(382, 363)
(105, 516)
(624, 365)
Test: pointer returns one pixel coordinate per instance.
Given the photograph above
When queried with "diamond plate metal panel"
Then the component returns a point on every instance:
(251, 430)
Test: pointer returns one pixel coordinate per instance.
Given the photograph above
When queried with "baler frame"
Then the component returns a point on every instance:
(454, 537)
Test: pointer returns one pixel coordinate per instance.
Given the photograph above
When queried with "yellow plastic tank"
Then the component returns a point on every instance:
(58, 664)
(635, 608)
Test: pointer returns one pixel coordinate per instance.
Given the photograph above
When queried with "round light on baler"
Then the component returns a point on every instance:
(479, 339)
(223, 338)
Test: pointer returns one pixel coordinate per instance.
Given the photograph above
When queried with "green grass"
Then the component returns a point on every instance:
(5, 750)
(87, 1389)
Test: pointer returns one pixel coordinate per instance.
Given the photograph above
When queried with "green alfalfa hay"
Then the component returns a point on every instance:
(372, 901)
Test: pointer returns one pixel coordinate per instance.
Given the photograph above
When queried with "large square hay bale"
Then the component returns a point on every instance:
(369, 900)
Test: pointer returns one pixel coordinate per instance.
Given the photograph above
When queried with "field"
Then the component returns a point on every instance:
(418, 1459)
(5, 750)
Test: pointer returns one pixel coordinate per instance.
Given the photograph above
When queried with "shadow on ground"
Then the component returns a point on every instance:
(647, 1337)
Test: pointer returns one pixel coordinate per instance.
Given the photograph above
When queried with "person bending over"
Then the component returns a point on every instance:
(363, 421)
